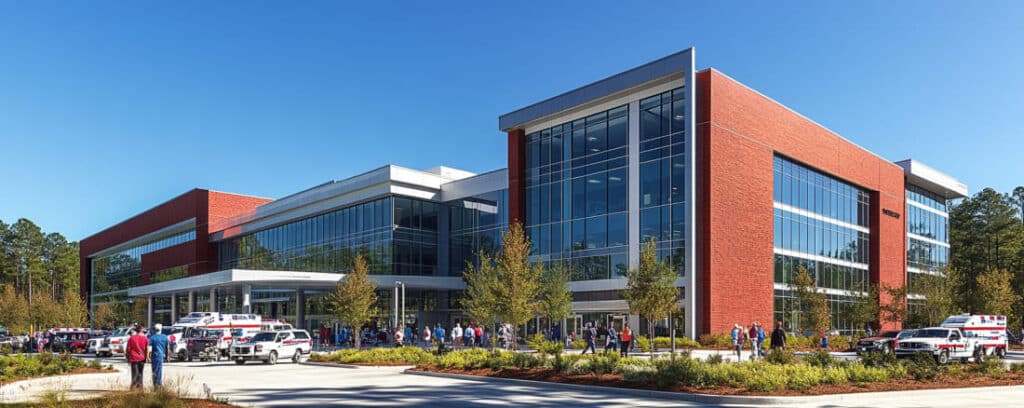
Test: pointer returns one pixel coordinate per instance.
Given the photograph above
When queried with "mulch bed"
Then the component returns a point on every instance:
(615, 380)
(384, 364)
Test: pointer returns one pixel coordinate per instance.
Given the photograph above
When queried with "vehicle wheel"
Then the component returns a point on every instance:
(1001, 353)
(943, 357)
(979, 355)
(272, 359)
(239, 362)
(98, 355)
(183, 355)
(297, 358)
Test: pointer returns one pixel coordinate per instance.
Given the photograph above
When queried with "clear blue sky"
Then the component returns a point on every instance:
(107, 109)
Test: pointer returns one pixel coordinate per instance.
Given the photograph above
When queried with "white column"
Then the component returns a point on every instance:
(690, 290)
(634, 184)
(213, 300)
(246, 301)
(174, 308)
(149, 312)
(191, 301)
(300, 309)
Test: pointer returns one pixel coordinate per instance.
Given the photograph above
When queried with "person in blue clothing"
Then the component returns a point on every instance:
(157, 352)
(439, 336)
(760, 338)
(824, 341)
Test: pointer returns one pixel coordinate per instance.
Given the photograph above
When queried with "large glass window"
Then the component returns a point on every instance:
(663, 170)
(576, 192)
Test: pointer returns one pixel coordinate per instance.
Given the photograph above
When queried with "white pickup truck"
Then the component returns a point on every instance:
(944, 343)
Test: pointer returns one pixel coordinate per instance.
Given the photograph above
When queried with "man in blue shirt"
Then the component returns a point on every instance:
(439, 336)
(159, 349)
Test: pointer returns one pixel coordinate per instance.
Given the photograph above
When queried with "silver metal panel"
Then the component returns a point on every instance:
(634, 184)
(597, 90)
(932, 180)
(471, 186)
(690, 266)
(287, 280)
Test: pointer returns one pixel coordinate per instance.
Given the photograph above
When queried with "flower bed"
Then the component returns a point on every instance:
(779, 373)
(20, 367)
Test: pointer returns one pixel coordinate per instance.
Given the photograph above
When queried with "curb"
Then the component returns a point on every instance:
(352, 366)
(9, 390)
(704, 398)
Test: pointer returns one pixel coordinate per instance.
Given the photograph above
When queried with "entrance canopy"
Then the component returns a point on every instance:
(287, 280)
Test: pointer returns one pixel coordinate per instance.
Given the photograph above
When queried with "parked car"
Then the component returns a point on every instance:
(882, 342)
(269, 346)
(93, 345)
(114, 343)
(204, 344)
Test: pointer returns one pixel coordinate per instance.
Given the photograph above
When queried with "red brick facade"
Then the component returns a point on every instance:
(739, 131)
(200, 256)
(517, 175)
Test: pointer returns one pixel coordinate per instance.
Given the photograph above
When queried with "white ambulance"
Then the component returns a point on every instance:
(231, 326)
(988, 330)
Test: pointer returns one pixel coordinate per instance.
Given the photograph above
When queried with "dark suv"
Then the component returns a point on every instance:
(884, 342)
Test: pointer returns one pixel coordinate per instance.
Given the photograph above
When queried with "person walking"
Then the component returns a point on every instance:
(399, 337)
(456, 336)
(426, 337)
(135, 352)
(823, 340)
(739, 337)
(468, 335)
(439, 336)
(485, 338)
(158, 350)
(625, 339)
(752, 336)
(779, 337)
(612, 341)
(760, 339)
(588, 335)
(479, 335)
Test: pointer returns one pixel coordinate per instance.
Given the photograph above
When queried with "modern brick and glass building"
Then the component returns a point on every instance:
(736, 190)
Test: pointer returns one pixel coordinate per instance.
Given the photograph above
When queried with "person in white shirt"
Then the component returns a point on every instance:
(457, 335)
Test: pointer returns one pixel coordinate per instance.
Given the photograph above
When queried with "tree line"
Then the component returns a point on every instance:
(39, 279)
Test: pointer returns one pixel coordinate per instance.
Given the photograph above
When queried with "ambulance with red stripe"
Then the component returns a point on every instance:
(962, 337)
(230, 328)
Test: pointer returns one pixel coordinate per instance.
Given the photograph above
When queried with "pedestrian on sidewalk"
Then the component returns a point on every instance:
(479, 335)
(426, 337)
(456, 336)
(468, 335)
(779, 337)
(439, 337)
(625, 339)
(135, 352)
(739, 340)
(760, 339)
(158, 350)
(752, 336)
(824, 340)
(588, 335)
(612, 341)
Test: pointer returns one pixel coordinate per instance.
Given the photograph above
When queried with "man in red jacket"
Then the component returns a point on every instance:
(135, 351)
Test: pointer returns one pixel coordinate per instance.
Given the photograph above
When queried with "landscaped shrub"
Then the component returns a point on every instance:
(839, 343)
(666, 342)
(714, 359)
(41, 365)
(643, 344)
(720, 340)
(578, 344)
(398, 355)
(603, 364)
(637, 373)
(802, 376)
(579, 367)
(565, 363)
(465, 359)
(1017, 367)
(858, 373)
(820, 358)
(922, 367)
(780, 356)
(6, 349)
(766, 383)
(992, 367)
(523, 360)
(834, 375)
(878, 359)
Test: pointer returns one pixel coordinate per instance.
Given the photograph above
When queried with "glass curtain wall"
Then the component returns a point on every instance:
(822, 225)
(576, 194)
(663, 169)
(113, 274)
(475, 223)
(927, 238)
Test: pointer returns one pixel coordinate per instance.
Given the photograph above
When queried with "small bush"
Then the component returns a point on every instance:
(801, 376)
(579, 367)
(780, 356)
(766, 383)
(523, 360)
(676, 369)
(858, 373)
(400, 355)
(578, 344)
(720, 340)
(465, 359)
(714, 359)
(878, 359)
(991, 367)
(6, 349)
(839, 343)
(820, 358)
(1017, 367)
(637, 373)
(643, 344)
(834, 375)
(603, 364)
(922, 367)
